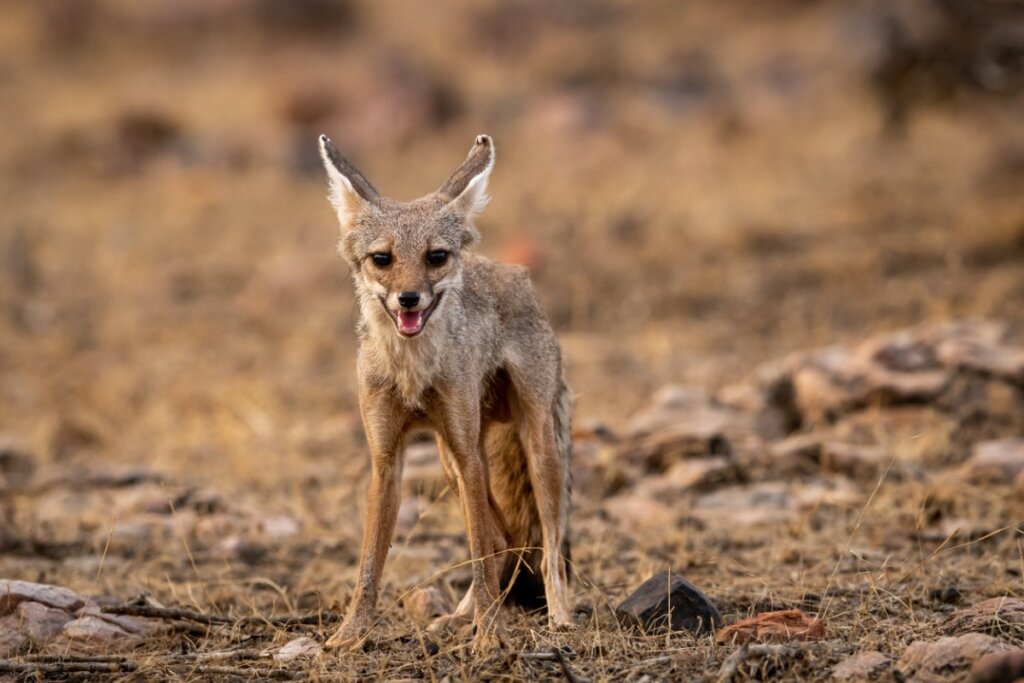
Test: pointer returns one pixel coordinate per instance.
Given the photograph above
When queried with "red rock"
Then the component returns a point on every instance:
(996, 616)
(772, 627)
(946, 658)
(998, 668)
(863, 666)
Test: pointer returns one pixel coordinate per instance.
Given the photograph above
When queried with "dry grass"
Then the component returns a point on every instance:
(698, 187)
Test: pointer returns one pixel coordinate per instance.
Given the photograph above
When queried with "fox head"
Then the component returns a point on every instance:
(405, 256)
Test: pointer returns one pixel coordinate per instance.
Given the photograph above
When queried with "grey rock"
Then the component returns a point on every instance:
(668, 600)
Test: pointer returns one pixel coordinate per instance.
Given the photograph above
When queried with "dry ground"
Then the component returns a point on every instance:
(697, 187)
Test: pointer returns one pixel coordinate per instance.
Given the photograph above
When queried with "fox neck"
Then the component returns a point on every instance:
(412, 364)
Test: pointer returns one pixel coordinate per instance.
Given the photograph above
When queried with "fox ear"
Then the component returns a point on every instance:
(349, 190)
(467, 187)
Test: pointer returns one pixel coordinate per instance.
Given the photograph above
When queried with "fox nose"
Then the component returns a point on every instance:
(409, 299)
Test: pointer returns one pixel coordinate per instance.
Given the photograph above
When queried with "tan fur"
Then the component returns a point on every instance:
(484, 371)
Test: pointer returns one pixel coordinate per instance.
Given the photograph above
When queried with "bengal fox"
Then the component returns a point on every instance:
(455, 342)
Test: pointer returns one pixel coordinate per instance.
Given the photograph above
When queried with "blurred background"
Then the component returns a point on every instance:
(697, 187)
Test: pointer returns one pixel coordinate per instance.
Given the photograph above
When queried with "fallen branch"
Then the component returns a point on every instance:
(67, 667)
(567, 670)
(246, 673)
(178, 614)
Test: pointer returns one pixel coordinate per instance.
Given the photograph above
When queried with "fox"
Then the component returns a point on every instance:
(456, 343)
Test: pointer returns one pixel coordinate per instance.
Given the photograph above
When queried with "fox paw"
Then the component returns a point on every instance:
(347, 637)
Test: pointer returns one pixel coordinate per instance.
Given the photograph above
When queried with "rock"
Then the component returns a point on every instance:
(408, 516)
(863, 666)
(143, 533)
(986, 358)
(138, 626)
(1001, 667)
(997, 616)
(779, 626)
(39, 622)
(425, 604)
(692, 474)
(681, 423)
(94, 635)
(640, 512)
(17, 464)
(946, 657)
(302, 647)
(422, 474)
(668, 599)
(12, 640)
(280, 526)
(995, 462)
(860, 462)
(762, 503)
(889, 387)
(13, 593)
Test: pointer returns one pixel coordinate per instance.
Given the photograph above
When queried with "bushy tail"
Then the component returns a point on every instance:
(521, 576)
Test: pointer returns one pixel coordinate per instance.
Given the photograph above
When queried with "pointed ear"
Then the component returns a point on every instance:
(467, 187)
(349, 191)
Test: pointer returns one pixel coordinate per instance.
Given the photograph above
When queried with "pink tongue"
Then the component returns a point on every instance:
(410, 321)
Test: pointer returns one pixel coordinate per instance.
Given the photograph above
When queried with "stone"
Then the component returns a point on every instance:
(996, 616)
(861, 462)
(280, 526)
(426, 604)
(639, 512)
(692, 474)
(408, 516)
(999, 667)
(989, 359)
(762, 503)
(998, 461)
(94, 635)
(17, 464)
(138, 626)
(13, 593)
(667, 599)
(301, 647)
(945, 658)
(781, 626)
(39, 622)
(863, 666)
(12, 639)
(422, 474)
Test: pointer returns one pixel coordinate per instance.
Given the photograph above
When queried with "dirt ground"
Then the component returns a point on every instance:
(700, 189)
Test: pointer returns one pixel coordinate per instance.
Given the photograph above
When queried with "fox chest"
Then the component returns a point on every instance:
(412, 366)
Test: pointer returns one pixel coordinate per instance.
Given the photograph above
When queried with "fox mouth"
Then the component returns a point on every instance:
(411, 323)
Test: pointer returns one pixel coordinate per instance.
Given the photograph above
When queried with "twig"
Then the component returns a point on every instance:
(72, 658)
(67, 667)
(247, 673)
(567, 669)
(176, 613)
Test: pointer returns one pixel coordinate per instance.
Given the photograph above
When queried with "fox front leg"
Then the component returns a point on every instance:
(384, 422)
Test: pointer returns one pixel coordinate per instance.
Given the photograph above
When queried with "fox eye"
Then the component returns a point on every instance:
(381, 259)
(437, 257)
